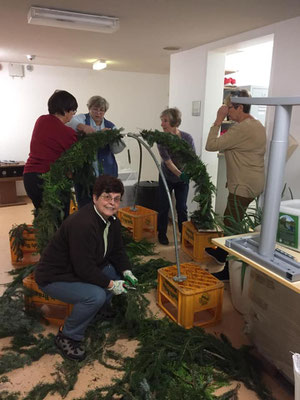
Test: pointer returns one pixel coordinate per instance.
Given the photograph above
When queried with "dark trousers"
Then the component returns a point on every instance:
(181, 190)
(33, 184)
(83, 195)
(235, 210)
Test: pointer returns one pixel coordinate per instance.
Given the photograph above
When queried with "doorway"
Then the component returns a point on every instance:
(244, 65)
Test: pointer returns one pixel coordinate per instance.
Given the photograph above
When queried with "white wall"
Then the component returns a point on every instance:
(252, 64)
(136, 101)
(190, 71)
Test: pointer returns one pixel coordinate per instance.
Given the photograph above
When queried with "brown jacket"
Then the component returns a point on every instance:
(244, 146)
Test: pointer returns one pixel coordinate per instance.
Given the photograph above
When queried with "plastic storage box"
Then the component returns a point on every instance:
(288, 232)
(195, 302)
(142, 223)
(194, 242)
(55, 311)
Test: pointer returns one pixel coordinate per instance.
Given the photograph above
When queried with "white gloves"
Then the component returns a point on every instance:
(118, 288)
(128, 275)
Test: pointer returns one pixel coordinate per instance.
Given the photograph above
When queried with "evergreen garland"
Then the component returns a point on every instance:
(75, 165)
(203, 217)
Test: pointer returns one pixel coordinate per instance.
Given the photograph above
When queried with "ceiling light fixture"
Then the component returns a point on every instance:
(99, 64)
(171, 48)
(72, 20)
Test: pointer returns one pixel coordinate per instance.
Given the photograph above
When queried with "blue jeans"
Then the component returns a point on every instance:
(181, 190)
(87, 299)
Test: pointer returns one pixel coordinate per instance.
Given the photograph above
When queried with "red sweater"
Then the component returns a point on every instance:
(50, 138)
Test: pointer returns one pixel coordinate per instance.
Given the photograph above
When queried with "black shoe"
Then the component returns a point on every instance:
(222, 275)
(218, 254)
(70, 348)
(162, 238)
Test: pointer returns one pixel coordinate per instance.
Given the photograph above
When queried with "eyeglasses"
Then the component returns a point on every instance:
(109, 198)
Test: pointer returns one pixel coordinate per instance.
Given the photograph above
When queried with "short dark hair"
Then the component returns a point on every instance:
(241, 93)
(107, 184)
(61, 102)
(174, 116)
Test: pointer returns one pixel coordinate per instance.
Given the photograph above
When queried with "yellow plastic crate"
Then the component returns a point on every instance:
(55, 311)
(73, 205)
(142, 223)
(195, 302)
(194, 242)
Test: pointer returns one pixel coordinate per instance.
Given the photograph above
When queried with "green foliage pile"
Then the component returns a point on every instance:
(203, 217)
(170, 362)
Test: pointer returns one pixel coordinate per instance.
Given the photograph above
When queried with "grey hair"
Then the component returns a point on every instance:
(174, 116)
(99, 102)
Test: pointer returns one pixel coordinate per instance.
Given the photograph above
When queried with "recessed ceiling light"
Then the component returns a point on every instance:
(172, 48)
(99, 64)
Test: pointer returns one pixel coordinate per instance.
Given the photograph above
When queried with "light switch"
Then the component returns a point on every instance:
(196, 108)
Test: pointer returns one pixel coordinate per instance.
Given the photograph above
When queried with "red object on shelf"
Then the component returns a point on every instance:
(231, 81)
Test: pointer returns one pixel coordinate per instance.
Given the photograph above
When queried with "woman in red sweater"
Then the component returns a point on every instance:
(50, 138)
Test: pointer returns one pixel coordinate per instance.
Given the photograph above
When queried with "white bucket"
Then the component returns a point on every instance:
(288, 232)
(239, 287)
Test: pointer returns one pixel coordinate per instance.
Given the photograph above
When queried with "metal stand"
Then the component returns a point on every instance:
(179, 277)
(262, 247)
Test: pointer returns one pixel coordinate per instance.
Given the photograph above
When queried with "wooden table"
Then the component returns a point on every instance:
(9, 174)
(220, 242)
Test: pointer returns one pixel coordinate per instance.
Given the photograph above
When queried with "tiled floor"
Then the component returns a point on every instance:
(232, 323)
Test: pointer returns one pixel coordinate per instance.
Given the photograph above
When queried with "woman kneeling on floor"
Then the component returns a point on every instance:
(85, 264)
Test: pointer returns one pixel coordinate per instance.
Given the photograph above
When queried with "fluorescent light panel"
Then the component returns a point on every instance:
(72, 20)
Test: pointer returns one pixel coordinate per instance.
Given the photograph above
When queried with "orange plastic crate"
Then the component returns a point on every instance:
(194, 242)
(142, 223)
(55, 311)
(197, 301)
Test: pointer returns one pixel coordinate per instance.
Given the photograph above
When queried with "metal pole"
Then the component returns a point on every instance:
(276, 165)
(133, 208)
(179, 277)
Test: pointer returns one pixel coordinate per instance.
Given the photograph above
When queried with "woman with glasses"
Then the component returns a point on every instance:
(50, 138)
(85, 264)
(244, 147)
(91, 122)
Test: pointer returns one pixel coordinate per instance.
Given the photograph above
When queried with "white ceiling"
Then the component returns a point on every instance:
(146, 26)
